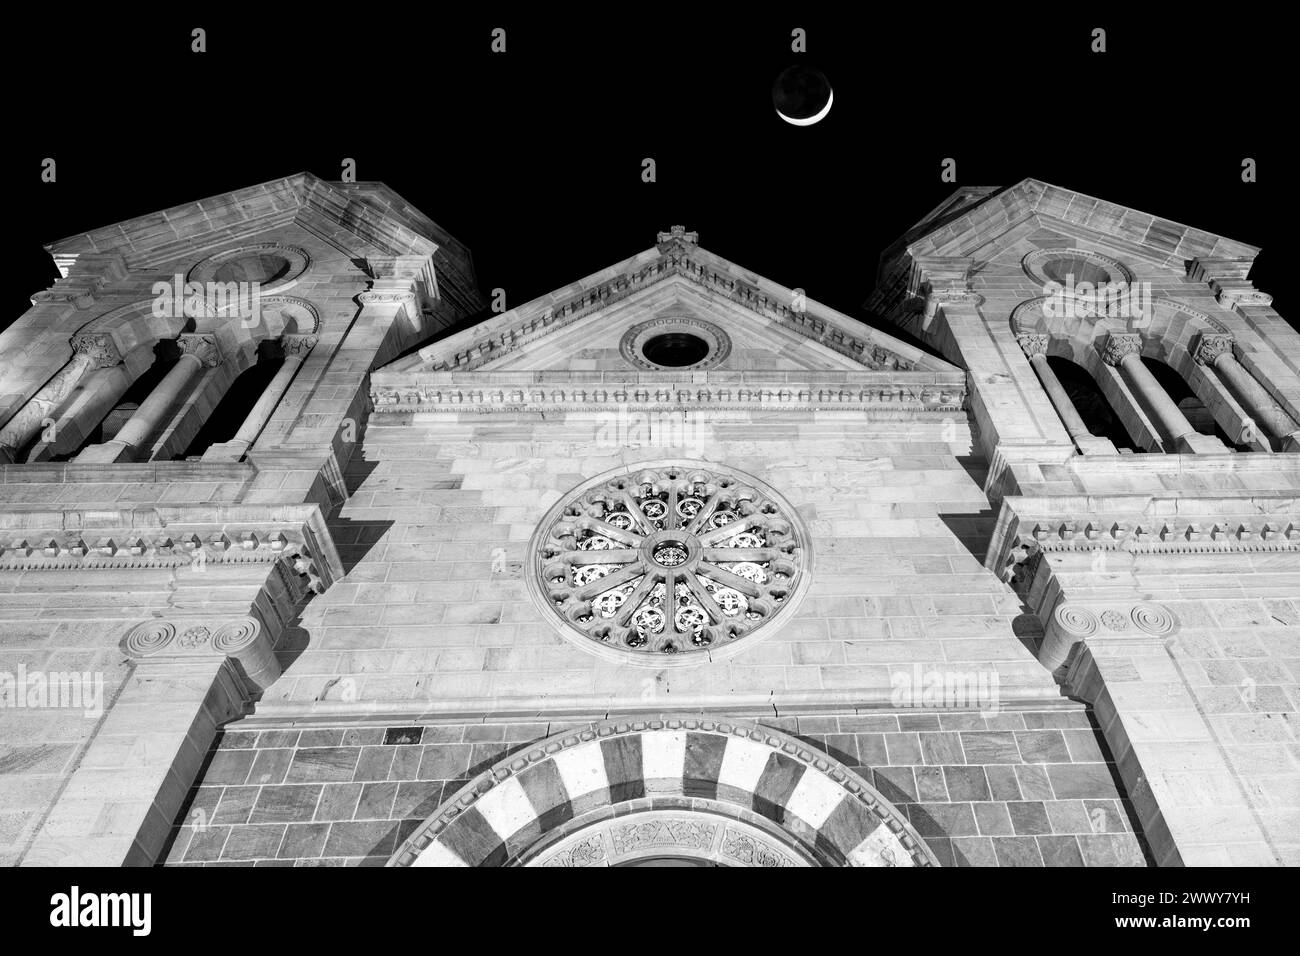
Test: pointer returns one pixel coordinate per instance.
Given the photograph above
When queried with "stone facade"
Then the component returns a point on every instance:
(918, 613)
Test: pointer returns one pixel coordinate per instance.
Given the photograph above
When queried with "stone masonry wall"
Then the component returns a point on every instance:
(1015, 788)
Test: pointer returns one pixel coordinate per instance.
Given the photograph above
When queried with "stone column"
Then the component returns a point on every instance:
(197, 352)
(1035, 347)
(1124, 351)
(296, 350)
(1216, 351)
(90, 352)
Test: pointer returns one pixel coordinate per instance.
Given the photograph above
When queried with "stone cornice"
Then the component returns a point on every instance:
(1142, 524)
(528, 391)
(35, 537)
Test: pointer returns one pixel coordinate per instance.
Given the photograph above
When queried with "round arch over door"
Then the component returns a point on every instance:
(724, 791)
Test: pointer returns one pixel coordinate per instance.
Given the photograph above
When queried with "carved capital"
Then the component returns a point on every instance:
(242, 639)
(1210, 346)
(99, 348)
(1232, 295)
(298, 345)
(387, 298)
(1118, 346)
(202, 347)
(1033, 343)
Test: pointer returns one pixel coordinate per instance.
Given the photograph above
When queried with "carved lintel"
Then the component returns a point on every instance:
(202, 346)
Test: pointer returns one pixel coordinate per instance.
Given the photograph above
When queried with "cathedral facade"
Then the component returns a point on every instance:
(303, 562)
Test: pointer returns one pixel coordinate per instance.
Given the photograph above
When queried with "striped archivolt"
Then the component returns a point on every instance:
(721, 791)
(671, 559)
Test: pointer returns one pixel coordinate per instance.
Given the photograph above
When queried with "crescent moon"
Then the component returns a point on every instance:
(808, 121)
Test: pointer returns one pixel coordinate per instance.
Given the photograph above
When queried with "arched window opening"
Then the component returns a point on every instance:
(1091, 404)
(1188, 402)
(238, 401)
(166, 354)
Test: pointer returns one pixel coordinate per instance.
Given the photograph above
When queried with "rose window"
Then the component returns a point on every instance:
(670, 562)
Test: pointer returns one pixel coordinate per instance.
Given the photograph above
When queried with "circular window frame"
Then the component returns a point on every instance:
(632, 345)
(299, 261)
(787, 537)
(1035, 263)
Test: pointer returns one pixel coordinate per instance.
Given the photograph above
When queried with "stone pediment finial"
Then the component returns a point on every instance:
(677, 239)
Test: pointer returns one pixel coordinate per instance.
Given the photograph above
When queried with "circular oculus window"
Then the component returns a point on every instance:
(675, 343)
(1075, 267)
(669, 563)
(273, 266)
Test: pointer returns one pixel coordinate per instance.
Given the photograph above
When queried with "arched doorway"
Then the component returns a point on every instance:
(689, 790)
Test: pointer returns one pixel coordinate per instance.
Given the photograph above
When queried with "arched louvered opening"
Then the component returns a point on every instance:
(1188, 402)
(166, 354)
(238, 400)
(1091, 403)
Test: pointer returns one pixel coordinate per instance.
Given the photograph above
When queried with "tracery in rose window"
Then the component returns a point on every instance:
(670, 560)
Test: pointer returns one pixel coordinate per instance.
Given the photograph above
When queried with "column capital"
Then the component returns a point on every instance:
(387, 297)
(99, 347)
(1033, 343)
(298, 345)
(1211, 345)
(1117, 346)
(202, 346)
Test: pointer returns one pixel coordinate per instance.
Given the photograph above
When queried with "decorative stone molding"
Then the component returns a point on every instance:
(825, 812)
(1025, 538)
(634, 339)
(1117, 346)
(165, 538)
(202, 346)
(427, 394)
(241, 639)
(1029, 316)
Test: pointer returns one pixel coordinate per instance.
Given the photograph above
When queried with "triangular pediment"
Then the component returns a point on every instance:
(600, 324)
(983, 224)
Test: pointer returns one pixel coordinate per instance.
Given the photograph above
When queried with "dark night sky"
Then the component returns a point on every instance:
(533, 158)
